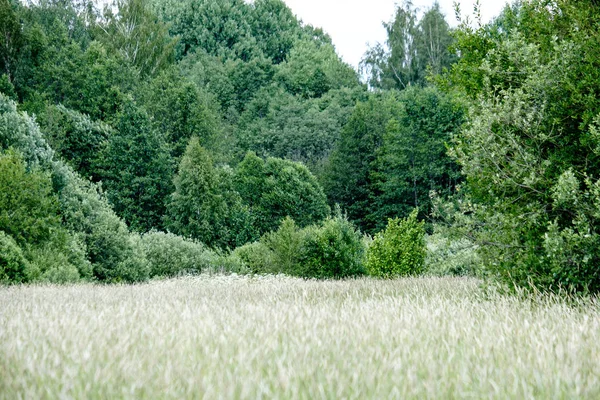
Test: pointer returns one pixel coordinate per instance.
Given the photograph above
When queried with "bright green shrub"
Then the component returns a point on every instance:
(399, 250)
(28, 208)
(332, 250)
(13, 265)
(172, 255)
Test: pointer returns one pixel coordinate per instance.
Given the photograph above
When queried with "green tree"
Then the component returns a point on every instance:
(412, 160)
(275, 28)
(414, 48)
(530, 149)
(313, 68)
(138, 170)
(350, 177)
(138, 36)
(29, 209)
(179, 110)
(221, 28)
(204, 206)
(275, 189)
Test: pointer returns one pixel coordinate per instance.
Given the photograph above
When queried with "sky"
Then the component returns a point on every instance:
(352, 24)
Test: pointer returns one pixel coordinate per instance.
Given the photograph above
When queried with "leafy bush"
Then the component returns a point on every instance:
(110, 248)
(332, 250)
(285, 245)
(172, 255)
(60, 261)
(51, 266)
(399, 250)
(449, 256)
(257, 257)
(13, 265)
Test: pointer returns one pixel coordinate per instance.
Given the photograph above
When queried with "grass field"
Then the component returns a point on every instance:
(274, 337)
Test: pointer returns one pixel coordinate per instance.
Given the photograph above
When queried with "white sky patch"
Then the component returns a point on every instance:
(355, 24)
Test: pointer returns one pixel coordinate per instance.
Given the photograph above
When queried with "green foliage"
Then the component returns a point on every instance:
(179, 110)
(448, 256)
(204, 206)
(332, 250)
(219, 27)
(350, 174)
(284, 248)
(529, 150)
(312, 69)
(138, 36)
(392, 153)
(13, 265)
(28, 207)
(276, 188)
(257, 257)
(110, 247)
(79, 140)
(138, 170)
(413, 50)
(278, 124)
(171, 255)
(399, 250)
(7, 88)
(412, 159)
(275, 28)
(90, 230)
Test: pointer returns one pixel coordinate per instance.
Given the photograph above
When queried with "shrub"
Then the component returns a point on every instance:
(332, 250)
(172, 255)
(399, 250)
(447, 256)
(61, 261)
(134, 267)
(257, 257)
(51, 266)
(13, 266)
(285, 245)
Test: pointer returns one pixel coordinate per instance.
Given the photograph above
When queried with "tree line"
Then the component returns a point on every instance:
(218, 122)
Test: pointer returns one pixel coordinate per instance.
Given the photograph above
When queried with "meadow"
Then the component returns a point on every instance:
(278, 337)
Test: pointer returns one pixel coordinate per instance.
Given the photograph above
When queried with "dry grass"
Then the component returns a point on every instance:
(235, 337)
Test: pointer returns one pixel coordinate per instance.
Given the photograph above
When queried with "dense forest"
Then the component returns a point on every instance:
(160, 137)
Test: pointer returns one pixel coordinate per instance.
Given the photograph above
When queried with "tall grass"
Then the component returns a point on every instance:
(274, 337)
